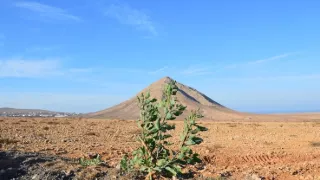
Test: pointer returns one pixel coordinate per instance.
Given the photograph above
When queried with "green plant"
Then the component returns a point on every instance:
(91, 162)
(156, 156)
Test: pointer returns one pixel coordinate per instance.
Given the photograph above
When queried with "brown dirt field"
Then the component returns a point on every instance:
(274, 150)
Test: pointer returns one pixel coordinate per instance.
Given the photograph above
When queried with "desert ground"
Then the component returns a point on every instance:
(235, 150)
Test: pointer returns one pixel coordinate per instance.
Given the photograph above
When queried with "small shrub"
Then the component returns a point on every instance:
(46, 128)
(90, 162)
(53, 123)
(91, 134)
(315, 144)
(155, 156)
(8, 141)
(232, 125)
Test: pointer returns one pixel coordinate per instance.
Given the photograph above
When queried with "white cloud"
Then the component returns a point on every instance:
(256, 62)
(133, 17)
(196, 70)
(158, 71)
(278, 57)
(29, 68)
(47, 11)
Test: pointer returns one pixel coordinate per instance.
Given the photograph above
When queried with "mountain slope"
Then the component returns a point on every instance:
(188, 96)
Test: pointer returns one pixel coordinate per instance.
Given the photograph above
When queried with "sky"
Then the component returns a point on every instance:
(85, 56)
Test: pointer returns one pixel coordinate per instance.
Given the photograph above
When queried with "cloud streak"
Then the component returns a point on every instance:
(47, 11)
(158, 71)
(193, 71)
(278, 57)
(256, 62)
(127, 15)
(28, 68)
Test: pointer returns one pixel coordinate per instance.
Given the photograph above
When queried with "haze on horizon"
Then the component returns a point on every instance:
(81, 56)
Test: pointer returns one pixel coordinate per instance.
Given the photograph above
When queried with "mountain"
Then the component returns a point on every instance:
(13, 110)
(186, 95)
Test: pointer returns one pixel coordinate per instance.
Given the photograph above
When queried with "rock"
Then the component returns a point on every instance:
(295, 173)
(253, 177)
(35, 176)
(92, 155)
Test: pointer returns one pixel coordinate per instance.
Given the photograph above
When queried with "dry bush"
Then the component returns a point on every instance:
(232, 125)
(53, 123)
(93, 124)
(46, 128)
(8, 141)
(255, 124)
(91, 134)
(315, 144)
(66, 123)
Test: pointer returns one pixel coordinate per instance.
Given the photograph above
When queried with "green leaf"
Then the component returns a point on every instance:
(157, 169)
(167, 143)
(148, 95)
(161, 162)
(172, 102)
(201, 128)
(177, 168)
(157, 124)
(169, 116)
(172, 171)
(195, 131)
(190, 142)
(185, 149)
(124, 163)
(197, 140)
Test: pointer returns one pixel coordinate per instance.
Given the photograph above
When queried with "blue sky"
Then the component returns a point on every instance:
(84, 56)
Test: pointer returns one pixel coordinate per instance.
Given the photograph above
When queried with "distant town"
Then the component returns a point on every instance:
(37, 114)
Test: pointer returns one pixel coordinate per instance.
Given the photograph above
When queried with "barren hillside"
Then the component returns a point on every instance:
(188, 96)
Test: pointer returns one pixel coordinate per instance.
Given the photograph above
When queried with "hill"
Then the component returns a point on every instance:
(188, 96)
(13, 110)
